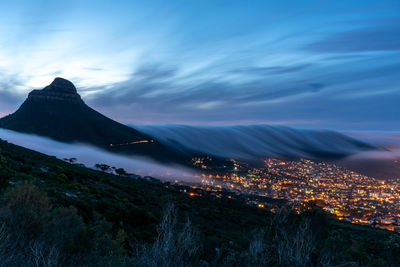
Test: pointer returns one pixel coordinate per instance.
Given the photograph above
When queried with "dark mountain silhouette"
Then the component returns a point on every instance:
(58, 112)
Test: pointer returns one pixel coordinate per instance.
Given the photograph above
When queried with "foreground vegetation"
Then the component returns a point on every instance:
(53, 213)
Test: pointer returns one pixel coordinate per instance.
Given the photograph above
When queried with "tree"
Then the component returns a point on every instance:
(102, 167)
(120, 171)
(70, 160)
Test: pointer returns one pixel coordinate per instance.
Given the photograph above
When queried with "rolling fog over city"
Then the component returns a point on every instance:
(255, 142)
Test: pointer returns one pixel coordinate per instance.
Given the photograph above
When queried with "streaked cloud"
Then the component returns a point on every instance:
(368, 39)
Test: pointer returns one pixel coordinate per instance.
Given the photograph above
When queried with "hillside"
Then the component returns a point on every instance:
(108, 219)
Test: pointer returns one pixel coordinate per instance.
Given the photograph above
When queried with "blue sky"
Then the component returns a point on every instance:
(309, 64)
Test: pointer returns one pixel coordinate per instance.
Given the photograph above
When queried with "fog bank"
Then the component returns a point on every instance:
(90, 156)
(255, 142)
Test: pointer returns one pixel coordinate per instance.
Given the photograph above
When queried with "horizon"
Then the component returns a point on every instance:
(304, 64)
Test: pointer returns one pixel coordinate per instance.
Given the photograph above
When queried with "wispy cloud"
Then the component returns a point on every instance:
(367, 39)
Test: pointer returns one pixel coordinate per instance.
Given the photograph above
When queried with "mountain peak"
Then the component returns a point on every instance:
(60, 89)
(61, 85)
(57, 111)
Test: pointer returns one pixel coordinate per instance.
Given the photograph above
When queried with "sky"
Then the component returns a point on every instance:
(308, 64)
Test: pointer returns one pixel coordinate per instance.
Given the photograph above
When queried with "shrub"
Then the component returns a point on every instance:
(66, 231)
(25, 210)
(290, 243)
(62, 178)
(173, 246)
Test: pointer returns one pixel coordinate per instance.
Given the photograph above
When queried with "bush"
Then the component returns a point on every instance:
(290, 243)
(62, 178)
(66, 231)
(25, 210)
(173, 246)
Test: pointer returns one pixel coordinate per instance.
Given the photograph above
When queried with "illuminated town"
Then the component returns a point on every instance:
(344, 194)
